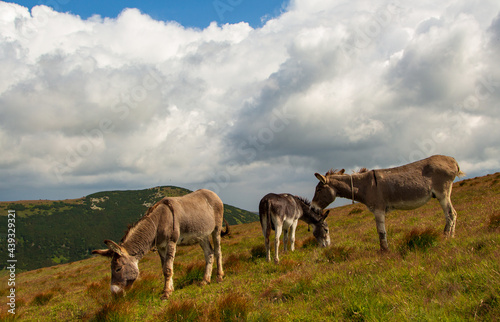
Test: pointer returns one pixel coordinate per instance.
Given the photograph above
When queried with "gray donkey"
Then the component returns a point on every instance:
(173, 221)
(282, 212)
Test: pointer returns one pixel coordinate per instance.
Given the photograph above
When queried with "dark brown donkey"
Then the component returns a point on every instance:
(173, 221)
(406, 187)
(282, 212)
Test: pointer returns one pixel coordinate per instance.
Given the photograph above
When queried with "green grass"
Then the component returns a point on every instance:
(424, 277)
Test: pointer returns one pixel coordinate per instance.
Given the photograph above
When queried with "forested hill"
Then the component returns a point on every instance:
(53, 232)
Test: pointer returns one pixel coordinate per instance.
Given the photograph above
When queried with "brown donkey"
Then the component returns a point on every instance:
(172, 221)
(405, 187)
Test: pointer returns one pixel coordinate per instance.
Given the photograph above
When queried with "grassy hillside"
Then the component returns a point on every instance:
(424, 277)
(55, 232)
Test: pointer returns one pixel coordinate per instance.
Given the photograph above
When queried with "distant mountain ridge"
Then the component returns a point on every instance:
(54, 232)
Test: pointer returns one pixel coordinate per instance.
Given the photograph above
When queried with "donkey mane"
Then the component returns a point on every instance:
(316, 212)
(133, 227)
(304, 200)
(341, 172)
(332, 171)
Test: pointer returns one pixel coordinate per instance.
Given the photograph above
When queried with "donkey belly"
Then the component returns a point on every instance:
(188, 239)
(411, 203)
(288, 222)
(194, 232)
(195, 227)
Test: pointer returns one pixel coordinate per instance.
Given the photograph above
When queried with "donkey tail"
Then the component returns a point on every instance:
(225, 233)
(460, 173)
(265, 215)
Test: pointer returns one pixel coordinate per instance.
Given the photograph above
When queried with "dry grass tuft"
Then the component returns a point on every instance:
(356, 210)
(488, 309)
(258, 251)
(112, 311)
(193, 274)
(494, 222)
(275, 295)
(337, 254)
(308, 242)
(231, 307)
(98, 290)
(419, 239)
(235, 262)
(185, 310)
(42, 298)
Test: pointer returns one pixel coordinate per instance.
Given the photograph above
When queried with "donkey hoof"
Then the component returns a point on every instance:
(165, 296)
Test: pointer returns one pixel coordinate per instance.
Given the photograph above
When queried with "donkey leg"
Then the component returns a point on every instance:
(209, 259)
(444, 197)
(167, 256)
(267, 234)
(382, 235)
(292, 235)
(450, 215)
(277, 243)
(285, 239)
(218, 255)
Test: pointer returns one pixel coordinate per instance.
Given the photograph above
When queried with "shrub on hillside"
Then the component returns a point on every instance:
(356, 210)
(258, 251)
(494, 222)
(42, 298)
(419, 239)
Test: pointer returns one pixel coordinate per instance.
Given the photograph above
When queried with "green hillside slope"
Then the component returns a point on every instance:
(54, 232)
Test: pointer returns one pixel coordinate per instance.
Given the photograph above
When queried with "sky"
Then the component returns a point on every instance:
(188, 13)
(241, 97)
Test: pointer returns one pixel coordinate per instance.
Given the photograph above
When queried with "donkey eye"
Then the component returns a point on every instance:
(118, 269)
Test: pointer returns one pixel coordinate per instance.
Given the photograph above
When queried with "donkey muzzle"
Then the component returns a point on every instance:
(117, 290)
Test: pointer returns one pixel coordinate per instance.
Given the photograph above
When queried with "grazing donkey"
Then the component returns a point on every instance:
(282, 212)
(172, 221)
(405, 187)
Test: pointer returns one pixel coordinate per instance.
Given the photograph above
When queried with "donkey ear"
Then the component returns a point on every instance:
(320, 177)
(326, 214)
(103, 252)
(341, 171)
(116, 248)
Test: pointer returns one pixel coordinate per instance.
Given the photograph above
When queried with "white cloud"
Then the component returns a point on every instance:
(131, 102)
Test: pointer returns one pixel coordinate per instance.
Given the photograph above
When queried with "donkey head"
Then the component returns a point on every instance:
(124, 268)
(324, 194)
(321, 232)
